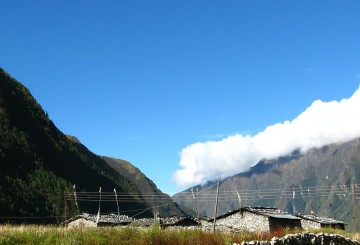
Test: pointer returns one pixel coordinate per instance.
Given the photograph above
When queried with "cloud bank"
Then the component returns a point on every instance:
(320, 124)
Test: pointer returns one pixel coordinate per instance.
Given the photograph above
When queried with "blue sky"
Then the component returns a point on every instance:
(142, 80)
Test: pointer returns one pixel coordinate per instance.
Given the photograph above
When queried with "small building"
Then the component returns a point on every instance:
(143, 222)
(205, 222)
(172, 221)
(91, 220)
(256, 219)
(311, 221)
(178, 221)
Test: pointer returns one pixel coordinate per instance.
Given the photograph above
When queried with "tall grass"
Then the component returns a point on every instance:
(131, 235)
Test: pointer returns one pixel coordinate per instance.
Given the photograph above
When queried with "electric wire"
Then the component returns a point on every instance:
(339, 191)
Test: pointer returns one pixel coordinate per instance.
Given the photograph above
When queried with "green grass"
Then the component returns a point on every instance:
(130, 235)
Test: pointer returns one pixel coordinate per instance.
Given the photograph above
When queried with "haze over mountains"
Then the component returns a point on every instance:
(318, 181)
(322, 123)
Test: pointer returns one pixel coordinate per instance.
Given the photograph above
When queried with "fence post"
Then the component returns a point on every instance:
(216, 204)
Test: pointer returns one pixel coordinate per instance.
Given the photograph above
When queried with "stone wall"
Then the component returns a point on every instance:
(243, 221)
(308, 224)
(306, 238)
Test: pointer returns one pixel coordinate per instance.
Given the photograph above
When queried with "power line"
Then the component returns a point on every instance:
(30, 217)
(340, 191)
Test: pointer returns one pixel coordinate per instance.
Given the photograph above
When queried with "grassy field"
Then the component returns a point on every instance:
(129, 235)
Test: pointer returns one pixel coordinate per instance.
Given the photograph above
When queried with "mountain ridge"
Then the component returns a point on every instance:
(148, 188)
(39, 164)
(151, 194)
(319, 179)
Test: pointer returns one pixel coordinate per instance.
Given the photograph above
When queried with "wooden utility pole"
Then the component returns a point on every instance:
(238, 195)
(65, 208)
(117, 204)
(354, 203)
(216, 204)
(197, 205)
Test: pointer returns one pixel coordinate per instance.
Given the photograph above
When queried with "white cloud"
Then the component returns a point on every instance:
(320, 124)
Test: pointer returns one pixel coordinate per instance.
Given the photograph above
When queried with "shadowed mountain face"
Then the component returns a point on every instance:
(319, 181)
(38, 163)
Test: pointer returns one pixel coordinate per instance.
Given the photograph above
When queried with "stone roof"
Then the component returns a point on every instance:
(165, 221)
(104, 219)
(206, 218)
(266, 211)
(174, 220)
(318, 219)
(143, 222)
(271, 212)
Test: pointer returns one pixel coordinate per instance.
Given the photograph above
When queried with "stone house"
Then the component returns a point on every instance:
(90, 220)
(255, 219)
(205, 222)
(172, 221)
(143, 222)
(177, 221)
(311, 221)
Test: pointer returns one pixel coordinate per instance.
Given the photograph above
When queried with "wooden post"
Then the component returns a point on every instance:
(65, 208)
(354, 203)
(238, 195)
(117, 203)
(197, 207)
(216, 204)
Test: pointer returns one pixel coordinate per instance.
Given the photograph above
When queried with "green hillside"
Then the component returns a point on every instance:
(152, 195)
(38, 163)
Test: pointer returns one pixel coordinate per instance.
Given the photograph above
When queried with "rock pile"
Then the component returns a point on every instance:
(306, 238)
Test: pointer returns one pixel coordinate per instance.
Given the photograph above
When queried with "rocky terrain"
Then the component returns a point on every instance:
(305, 238)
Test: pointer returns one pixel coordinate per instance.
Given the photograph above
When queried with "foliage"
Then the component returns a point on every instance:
(147, 187)
(130, 235)
(38, 162)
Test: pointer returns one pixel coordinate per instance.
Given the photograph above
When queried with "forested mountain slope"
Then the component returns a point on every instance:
(38, 163)
(152, 195)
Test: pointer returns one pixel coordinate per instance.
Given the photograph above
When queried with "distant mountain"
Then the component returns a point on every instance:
(319, 181)
(38, 163)
(162, 203)
(151, 194)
